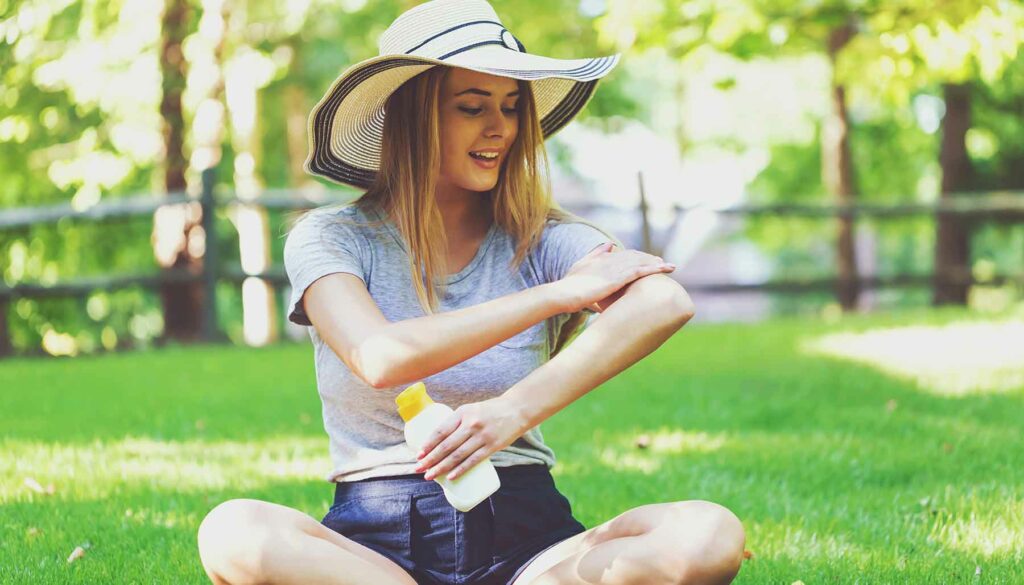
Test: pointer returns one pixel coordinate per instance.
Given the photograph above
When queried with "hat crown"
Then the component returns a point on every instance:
(441, 28)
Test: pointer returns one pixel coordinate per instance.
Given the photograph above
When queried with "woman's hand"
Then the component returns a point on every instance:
(469, 436)
(603, 273)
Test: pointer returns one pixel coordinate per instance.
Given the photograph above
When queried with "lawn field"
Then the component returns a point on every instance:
(881, 449)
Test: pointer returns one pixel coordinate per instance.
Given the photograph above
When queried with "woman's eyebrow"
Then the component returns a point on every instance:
(484, 93)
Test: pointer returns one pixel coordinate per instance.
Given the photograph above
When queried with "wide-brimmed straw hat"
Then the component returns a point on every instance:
(346, 127)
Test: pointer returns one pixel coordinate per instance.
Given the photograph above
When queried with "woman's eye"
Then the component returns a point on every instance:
(475, 111)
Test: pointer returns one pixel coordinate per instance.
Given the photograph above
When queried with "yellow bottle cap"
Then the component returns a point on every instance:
(412, 400)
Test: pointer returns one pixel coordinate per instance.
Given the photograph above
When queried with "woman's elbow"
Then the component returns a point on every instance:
(369, 362)
(678, 308)
(670, 298)
(683, 306)
(376, 380)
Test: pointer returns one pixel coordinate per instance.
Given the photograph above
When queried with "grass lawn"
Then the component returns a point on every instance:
(904, 467)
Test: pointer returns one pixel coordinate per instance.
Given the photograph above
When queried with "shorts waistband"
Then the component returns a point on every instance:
(414, 484)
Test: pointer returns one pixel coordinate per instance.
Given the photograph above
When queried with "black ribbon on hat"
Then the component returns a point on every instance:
(519, 45)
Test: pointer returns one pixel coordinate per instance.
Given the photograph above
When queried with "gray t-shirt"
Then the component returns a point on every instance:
(365, 431)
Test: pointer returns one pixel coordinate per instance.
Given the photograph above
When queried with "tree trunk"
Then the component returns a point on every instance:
(296, 106)
(952, 237)
(837, 174)
(182, 302)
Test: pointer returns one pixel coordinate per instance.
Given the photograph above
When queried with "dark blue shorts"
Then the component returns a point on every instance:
(408, 520)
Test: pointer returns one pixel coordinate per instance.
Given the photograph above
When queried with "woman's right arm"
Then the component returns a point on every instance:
(386, 354)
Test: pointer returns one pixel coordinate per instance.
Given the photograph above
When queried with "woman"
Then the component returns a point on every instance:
(447, 138)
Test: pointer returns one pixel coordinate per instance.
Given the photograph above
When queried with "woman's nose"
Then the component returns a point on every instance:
(497, 124)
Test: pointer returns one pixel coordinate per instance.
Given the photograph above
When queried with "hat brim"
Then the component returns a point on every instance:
(346, 126)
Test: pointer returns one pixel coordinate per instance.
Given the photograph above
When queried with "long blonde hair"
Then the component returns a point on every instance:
(410, 162)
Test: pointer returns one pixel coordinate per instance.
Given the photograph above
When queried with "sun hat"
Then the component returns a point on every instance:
(346, 126)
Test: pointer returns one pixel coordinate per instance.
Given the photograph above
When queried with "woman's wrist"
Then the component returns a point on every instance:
(520, 411)
(560, 299)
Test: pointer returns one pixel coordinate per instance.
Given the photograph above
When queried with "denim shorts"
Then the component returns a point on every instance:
(408, 520)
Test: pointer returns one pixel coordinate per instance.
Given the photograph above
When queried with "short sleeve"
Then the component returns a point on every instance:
(563, 244)
(318, 245)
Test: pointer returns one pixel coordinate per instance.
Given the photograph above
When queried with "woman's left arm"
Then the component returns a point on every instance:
(649, 311)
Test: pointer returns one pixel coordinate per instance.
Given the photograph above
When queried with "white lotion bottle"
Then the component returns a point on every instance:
(422, 415)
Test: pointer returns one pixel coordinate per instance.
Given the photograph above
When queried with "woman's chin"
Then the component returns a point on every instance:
(479, 180)
(479, 184)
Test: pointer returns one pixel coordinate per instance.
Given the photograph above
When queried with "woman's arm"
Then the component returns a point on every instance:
(649, 311)
(386, 354)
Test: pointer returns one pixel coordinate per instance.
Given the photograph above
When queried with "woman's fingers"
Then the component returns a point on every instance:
(476, 457)
(455, 458)
(438, 453)
(443, 430)
(641, 264)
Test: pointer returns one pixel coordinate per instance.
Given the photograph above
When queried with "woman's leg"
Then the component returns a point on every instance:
(250, 541)
(691, 542)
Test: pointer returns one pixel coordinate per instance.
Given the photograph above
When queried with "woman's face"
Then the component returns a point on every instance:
(479, 122)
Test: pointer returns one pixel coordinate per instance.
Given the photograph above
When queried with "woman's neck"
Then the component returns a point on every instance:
(466, 214)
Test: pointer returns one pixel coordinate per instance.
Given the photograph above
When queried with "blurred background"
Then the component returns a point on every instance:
(793, 157)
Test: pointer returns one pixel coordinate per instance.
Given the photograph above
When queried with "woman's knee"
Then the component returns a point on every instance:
(234, 539)
(709, 541)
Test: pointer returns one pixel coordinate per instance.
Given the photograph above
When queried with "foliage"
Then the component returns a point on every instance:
(79, 121)
(80, 92)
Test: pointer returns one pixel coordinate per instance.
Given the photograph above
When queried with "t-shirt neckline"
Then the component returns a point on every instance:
(481, 250)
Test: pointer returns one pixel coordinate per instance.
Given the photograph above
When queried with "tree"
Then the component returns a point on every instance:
(952, 235)
(837, 170)
(175, 228)
(956, 49)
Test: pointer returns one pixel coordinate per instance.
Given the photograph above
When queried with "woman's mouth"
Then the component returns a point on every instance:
(485, 159)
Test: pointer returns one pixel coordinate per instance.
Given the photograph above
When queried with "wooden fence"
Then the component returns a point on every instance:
(996, 207)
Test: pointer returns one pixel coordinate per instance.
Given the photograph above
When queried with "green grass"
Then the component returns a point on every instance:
(841, 472)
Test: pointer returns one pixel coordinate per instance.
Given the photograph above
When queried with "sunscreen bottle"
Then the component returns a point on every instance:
(422, 415)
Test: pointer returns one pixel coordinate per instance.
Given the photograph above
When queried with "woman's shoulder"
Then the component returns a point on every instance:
(558, 229)
(346, 219)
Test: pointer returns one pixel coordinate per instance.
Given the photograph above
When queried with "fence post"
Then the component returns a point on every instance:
(6, 348)
(208, 327)
(645, 225)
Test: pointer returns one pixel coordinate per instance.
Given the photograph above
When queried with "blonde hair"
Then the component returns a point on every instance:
(404, 187)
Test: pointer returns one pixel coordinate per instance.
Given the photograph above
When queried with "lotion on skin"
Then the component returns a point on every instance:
(422, 415)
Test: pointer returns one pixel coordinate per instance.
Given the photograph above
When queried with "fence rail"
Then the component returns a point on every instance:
(999, 207)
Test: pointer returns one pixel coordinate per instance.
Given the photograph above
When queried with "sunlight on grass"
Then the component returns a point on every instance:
(101, 469)
(989, 529)
(840, 472)
(646, 452)
(797, 543)
(951, 360)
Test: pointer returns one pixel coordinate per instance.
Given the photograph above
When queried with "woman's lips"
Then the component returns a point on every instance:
(486, 164)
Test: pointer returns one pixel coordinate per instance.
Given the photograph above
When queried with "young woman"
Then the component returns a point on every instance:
(456, 268)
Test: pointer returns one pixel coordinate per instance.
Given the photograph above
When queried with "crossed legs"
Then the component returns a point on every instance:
(692, 542)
